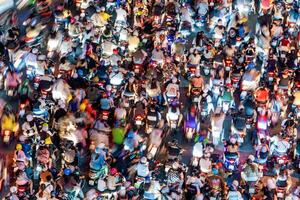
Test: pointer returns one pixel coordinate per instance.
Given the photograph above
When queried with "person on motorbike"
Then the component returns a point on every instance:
(68, 183)
(262, 149)
(196, 83)
(100, 18)
(130, 90)
(205, 164)
(172, 90)
(153, 116)
(232, 146)
(153, 89)
(250, 170)
(192, 121)
(20, 158)
(142, 168)
(282, 178)
(98, 157)
(22, 179)
(157, 55)
(234, 192)
(113, 182)
(132, 139)
(9, 121)
(12, 79)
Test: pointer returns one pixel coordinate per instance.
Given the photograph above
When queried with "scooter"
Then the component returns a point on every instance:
(95, 175)
(197, 154)
(7, 136)
(231, 161)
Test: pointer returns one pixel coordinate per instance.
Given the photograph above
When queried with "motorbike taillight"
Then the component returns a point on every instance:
(271, 74)
(22, 105)
(21, 189)
(105, 113)
(6, 132)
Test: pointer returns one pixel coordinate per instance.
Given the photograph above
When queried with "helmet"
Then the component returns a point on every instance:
(174, 80)
(235, 183)
(108, 88)
(82, 107)
(175, 165)
(67, 171)
(99, 147)
(251, 158)
(29, 118)
(48, 141)
(18, 147)
(113, 171)
(144, 160)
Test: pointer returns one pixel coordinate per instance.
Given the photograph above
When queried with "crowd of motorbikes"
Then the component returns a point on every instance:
(102, 99)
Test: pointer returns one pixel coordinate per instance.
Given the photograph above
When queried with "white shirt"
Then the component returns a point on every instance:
(121, 14)
(142, 170)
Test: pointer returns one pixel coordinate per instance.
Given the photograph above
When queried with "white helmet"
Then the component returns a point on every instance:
(174, 80)
(29, 118)
(251, 157)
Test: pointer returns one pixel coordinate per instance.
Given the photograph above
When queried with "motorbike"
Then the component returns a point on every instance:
(95, 175)
(238, 128)
(8, 136)
(173, 116)
(231, 161)
(197, 154)
(262, 127)
(261, 96)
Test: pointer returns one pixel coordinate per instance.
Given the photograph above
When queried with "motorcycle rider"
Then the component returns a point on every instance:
(142, 168)
(196, 82)
(234, 192)
(98, 157)
(172, 90)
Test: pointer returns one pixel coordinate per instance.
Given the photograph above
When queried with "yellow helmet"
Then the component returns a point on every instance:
(18, 147)
(48, 141)
(82, 107)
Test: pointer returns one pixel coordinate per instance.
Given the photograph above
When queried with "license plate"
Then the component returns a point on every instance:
(235, 85)
(231, 167)
(138, 122)
(10, 92)
(251, 190)
(196, 99)
(227, 68)
(280, 161)
(248, 126)
(280, 195)
(173, 125)
(270, 78)
(282, 55)
(91, 182)
(6, 138)
(203, 113)
(259, 109)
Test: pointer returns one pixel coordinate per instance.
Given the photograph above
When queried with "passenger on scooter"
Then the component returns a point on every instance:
(234, 192)
(172, 90)
(98, 157)
(196, 83)
(250, 170)
(142, 168)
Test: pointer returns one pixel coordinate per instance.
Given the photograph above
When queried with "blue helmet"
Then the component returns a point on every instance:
(67, 171)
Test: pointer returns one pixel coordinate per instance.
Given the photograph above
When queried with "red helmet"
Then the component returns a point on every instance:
(113, 171)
